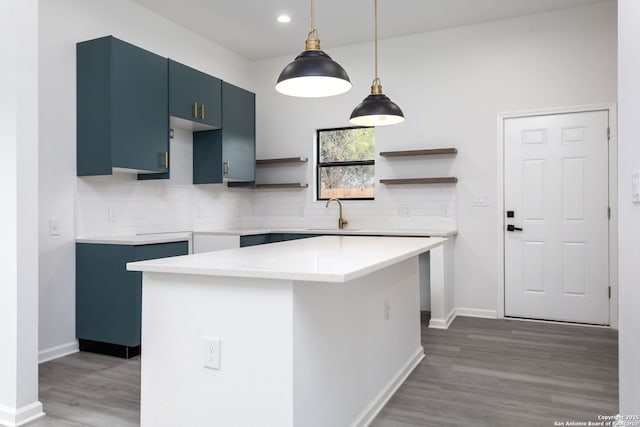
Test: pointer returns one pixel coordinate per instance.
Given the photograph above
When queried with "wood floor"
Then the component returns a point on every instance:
(479, 372)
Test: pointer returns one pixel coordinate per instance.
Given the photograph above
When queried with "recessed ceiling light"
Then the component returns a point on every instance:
(283, 19)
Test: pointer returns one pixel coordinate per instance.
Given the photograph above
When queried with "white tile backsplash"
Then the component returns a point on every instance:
(139, 207)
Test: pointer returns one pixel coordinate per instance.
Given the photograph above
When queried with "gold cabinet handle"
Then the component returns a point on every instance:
(166, 160)
(227, 167)
(195, 110)
(202, 112)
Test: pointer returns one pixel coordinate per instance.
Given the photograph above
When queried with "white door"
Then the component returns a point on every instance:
(556, 192)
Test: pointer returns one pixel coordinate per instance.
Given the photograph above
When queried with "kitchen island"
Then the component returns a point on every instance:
(311, 332)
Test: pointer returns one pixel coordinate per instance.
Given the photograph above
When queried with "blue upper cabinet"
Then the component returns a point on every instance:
(122, 109)
(238, 133)
(228, 154)
(194, 98)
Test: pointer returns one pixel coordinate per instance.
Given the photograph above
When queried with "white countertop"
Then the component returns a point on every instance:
(346, 232)
(322, 259)
(140, 239)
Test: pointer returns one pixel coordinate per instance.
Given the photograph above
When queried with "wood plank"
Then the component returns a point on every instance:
(443, 180)
(425, 152)
(281, 160)
(485, 372)
(479, 372)
(284, 185)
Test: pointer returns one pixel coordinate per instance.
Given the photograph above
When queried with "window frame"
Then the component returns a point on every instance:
(320, 165)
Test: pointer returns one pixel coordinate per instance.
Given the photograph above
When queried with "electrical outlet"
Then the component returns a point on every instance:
(112, 215)
(387, 309)
(211, 352)
(404, 210)
(635, 187)
(444, 210)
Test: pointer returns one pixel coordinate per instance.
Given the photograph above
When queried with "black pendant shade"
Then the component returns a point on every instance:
(376, 110)
(313, 74)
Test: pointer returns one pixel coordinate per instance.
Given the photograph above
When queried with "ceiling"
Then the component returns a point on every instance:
(249, 27)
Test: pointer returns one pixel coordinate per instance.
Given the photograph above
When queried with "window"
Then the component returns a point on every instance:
(346, 163)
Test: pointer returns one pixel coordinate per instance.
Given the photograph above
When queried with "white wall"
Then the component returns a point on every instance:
(451, 85)
(19, 214)
(138, 206)
(629, 219)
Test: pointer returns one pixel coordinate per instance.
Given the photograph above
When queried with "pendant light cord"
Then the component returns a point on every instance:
(313, 43)
(375, 17)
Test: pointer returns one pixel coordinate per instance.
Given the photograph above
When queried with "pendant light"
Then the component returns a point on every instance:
(376, 109)
(313, 74)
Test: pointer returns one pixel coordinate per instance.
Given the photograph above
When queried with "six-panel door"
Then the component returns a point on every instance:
(556, 197)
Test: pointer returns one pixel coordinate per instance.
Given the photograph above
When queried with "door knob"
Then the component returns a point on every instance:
(511, 227)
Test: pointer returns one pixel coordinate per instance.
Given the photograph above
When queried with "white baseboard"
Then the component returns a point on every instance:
(375, 406)
(58, 351)
(465, 312)
(443, 323)
(11, 417)
(474, 312)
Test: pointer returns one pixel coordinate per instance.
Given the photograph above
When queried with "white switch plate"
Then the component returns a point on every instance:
(480, 199)
(211, 352)
(54, 227)
(635, 187)
(112, 215)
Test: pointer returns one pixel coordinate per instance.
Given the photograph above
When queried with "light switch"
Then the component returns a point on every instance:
(54, 227)
(635, 187)
(480, 199)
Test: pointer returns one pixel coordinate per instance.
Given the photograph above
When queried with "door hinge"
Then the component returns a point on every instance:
(609, 212)
(609, 292)
(608, 134)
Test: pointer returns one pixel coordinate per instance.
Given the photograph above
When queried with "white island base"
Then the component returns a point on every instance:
(323, 351)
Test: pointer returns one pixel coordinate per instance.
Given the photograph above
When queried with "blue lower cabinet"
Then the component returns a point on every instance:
(255, 239)
(109, 298)
(282, 237)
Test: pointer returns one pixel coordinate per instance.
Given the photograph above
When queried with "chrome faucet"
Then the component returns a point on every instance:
(341, 221)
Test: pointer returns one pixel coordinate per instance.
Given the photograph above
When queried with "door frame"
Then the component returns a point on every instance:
(613, 197)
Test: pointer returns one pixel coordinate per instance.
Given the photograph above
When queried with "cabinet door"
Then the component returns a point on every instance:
(183, 91)
(194, 98)
(108, 297)
(254, 239)
(210, 95)
(105, 294)
(122, 108)
(214, 242)
(228, 153)
(140, 108)
(238, 133)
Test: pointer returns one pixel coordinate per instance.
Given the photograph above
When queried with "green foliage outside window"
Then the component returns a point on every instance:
(346, 163)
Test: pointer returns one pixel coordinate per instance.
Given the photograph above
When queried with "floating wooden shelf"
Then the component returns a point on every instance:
(284, 185)
(444, 180)
(253, 185)
(281, 160)
(427, 152)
